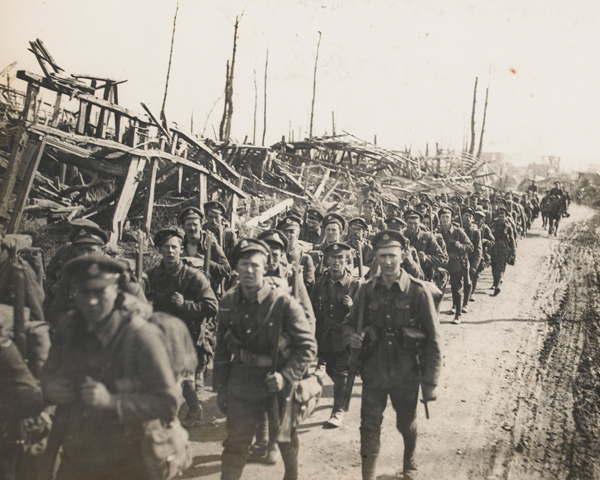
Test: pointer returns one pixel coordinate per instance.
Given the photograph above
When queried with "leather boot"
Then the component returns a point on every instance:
(289, 454)
(369, 465)
(467, 295)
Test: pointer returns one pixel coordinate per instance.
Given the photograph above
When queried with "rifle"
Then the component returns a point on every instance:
(360, 260)
(418, 335)
(286, 424)
(139, 260)
(354, 356)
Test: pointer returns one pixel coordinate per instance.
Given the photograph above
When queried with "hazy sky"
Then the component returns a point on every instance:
(403, 70)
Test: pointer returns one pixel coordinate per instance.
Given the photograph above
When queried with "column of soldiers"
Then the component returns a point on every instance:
(268, 311)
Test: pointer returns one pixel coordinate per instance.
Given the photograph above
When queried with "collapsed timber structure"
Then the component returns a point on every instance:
(83, 155)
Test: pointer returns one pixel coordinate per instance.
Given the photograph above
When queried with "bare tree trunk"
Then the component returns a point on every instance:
(472, 147)
(312, 108)
(225, 128)
(487, 90)
(255, 108)
(265, 102)
(209, 114)
(163, 116)
(333, 123)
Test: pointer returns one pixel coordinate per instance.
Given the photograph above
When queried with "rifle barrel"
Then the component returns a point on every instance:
(19, 308)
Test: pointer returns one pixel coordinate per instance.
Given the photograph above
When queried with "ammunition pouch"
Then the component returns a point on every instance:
(373, 335)
(249, 359)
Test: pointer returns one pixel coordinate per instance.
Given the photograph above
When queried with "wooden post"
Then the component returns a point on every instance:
(18, 151)
(179, 178)
(150, 198)
(26, 185)
(136, 167)
(203, 190)
(321, 186)
(234, 204)
(56, 110)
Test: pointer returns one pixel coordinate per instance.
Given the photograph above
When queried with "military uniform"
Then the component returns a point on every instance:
(389, 365)
(243, 359)
(487, 242)
(458, 246)
(475, 257)
(129, 357)
(226, 237)
(308, 235)
(327, 299)
(503, 249)
(430, 253)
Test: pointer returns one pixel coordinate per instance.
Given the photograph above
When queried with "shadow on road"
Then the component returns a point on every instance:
(199, 469)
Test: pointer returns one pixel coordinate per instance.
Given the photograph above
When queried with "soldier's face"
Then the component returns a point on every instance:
(368, 209)
(251, 268)
(356, 232)
(332, 233)
(467, 219)
(292, 234)
(192, 228)
(83, 249)
(171, 252)
(412, 224)
(213, 218)
(276, 257)
(312, 224)
(96, 304)
(389, 260)
(445, 219)
(338, 262)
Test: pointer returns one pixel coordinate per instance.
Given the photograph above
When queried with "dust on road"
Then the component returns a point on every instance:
(506, 403)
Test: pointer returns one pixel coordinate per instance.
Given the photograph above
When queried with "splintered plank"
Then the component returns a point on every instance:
(270, 213)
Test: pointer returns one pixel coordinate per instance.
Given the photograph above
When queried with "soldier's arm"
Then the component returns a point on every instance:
(464, 243)
(219, 265)
(351, 321)
(440, 241)
(489, 240)
(157, 397)
(60, 305)
(306, 304)
(477, 249)
(412, 264)
(204, 300)
(308, 271)
(302, 337)
(222, 359)
(433, 255)
(432, 352)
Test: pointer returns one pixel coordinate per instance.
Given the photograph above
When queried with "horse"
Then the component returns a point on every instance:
(552, 213)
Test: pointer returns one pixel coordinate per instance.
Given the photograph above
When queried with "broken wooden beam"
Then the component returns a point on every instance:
(270, 213)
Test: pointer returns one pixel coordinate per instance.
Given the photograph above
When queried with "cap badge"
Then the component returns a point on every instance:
(336, 247)
(244, 244)
(386, 237)
(190, 212)
(287, 220)
(82, 232)
(94, 269)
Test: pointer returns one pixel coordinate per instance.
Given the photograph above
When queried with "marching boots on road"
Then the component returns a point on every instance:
(474, 235)
(387, 307)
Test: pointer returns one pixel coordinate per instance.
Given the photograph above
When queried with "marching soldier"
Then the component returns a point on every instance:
(290, 226)
(458, 247)
(183, 291)
(254, 318)
(391, 303)
(332, 299)
(226, 237)
(109, 372)
(475, 256)
(431, 255)
(487, 242)
(311, 230)
(411, 262)
(503, 250)
(195, 245)
(374, 222)
(333, 226)
(357, 231)
(86, 240)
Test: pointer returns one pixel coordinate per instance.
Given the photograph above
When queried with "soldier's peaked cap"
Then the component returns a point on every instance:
(480, 213)
(190, 212)
(422, 205)
(334, 218)
(392, 222)
(94, 271)
(369, 200)
(88, 234)
(358, 222)
(314, 214)
(274, 237)
(411, 213)
(246, 245)
(444, 210)
(467, 210)
(389, 238)
(457, 198)
(337, 247)
(165, 234)
(502, 209)
(215, 206)
(289, 223)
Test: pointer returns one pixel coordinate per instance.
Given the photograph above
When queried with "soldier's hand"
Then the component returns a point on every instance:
(472, 271)
(356, 340)
(60, 391)
(222, 401)
(275, 382)
(177, 299)
(94, 394)
(429, 393)
(347, 301)
(422, 256)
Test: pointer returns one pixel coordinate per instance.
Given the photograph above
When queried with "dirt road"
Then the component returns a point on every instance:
(506, 399)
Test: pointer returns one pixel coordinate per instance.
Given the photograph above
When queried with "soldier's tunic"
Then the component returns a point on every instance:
(219, 268)
(54, 271)
(375, 224)
(475, 256)
(503, 249)
(430, 253)
(458, 246)
(307, 263)
(327, 299)
(133, 364)
(243, 359)
(389, 365)
(199, 307)
(226, 238)
(366, 250)
(487, 242)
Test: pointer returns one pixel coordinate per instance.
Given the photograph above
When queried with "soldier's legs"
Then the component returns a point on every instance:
(194, 414)
(204, 358)
(337, 365)
(404, 400)
(474, 284)
(373, 405)
(289, 455)
(242, 417)
(498, 267)
(456, 285)
(467, 295)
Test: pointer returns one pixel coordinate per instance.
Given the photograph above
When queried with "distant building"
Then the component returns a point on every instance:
(549, 167)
